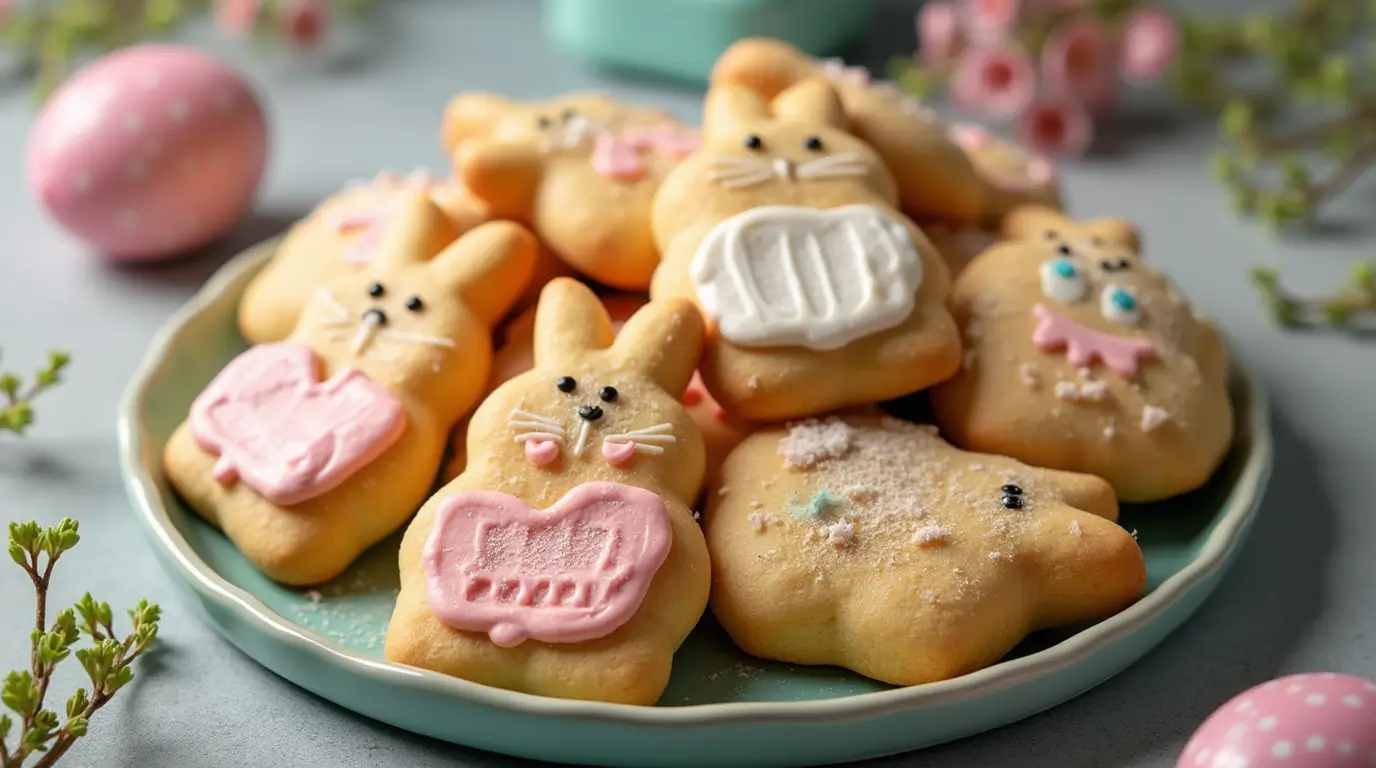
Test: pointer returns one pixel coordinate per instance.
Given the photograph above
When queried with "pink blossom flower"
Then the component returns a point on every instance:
(304, 21)
(1078, 63)
(838, 71)
(992, 21)
(938, 31)
(236, 17)
(996, 81)
(1057, 127)
(1150, 39)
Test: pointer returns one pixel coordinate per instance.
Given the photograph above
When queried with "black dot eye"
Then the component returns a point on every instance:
(1124, 264)
(1051, 234)
(1064, 250)
(1012, 502)
(376, 290)
(567, 115)
(1096, 241)
(566, 384)
(415, 304)
(544, 122)
(608, 394)
(753, 141)
(813, 143)
(1012, 490)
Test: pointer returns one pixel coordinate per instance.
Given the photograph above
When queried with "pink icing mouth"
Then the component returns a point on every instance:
(541, 452)
(618, 454)
(1083, 345)
(576, 571)
(287, 435)
(618, 156)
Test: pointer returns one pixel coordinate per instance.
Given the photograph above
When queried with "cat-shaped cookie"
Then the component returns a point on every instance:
(564, 560)
(783, 229)
(307, 451)
(581, 170)
(1083, 358)
(872, 544)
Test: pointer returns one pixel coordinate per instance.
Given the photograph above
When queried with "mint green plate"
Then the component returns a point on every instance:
(722, 708)
(681, 39)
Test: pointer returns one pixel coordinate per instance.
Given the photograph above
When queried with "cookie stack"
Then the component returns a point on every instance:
(654, 370)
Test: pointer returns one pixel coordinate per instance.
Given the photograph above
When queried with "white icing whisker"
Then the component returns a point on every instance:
(652, 450)
(333, 303)
(416, 338)
(831, 171)
(746, 180)
(736, 162)
(536, 425)
(535, 417)
(367, 330)
(582, 441)
(640, 439)
(844, 157)
(657, 429)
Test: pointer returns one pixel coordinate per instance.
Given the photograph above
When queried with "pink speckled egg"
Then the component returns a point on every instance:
(149, 152)
(1303, 721)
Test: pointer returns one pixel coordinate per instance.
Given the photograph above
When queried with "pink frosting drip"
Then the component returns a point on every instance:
(1083, 345)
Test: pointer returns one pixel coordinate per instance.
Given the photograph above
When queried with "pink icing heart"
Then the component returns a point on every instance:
(617, 454)
(1083, 345)
(616, 159)
(541, 452)
(284, 433)
(362, 250)
(573, 572)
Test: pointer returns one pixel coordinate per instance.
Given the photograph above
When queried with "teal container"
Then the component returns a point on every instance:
(680, 39)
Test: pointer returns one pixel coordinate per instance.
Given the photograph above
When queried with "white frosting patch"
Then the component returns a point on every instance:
(782, 275)
(1153, 417)
(811, 442)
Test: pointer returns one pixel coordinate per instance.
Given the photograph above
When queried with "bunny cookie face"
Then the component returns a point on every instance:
(308, 451)
(872, 544)
(581, 169)
(818, 293)
(1080, 357)
(564, 560)
(935, 178)
(340, 237)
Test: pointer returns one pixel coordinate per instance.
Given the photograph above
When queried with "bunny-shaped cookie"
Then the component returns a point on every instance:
(564, 561)
(305, 452)
(1082, 357)
(581, 170)
(936, 179)
(818, 293)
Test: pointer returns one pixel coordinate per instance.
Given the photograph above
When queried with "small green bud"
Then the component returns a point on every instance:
(26, 535)
(1245, 200)
(1223, 168)
(1364, 276)
(118, 678)
(10, 384)
(1335, 76)
(1265, 278)
(77, 727)
(19, 694)
(5, 724)
(58, 359)
(18, 554)
(1237, 119)
(62, 536)
(1260, 32)
(1336, 312)
(77, 703)
(162, 15)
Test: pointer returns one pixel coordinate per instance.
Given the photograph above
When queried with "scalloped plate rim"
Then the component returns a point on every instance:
(1216, 553)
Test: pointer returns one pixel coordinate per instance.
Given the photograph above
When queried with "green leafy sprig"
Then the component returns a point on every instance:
(1351, 307)
(108, 660)
(16, 399)
(1297, 105)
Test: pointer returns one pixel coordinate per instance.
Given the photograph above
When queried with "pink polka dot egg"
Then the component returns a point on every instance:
(149, 151)
(1322, 720)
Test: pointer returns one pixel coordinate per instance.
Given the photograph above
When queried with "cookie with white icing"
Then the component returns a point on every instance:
(564, 560)
(784, 230)
(872, 544)
(1079, 356)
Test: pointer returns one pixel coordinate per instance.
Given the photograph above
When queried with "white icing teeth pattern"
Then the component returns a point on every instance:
(780, 275)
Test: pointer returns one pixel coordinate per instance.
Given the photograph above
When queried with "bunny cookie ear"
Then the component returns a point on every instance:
(729, 107)
(488, 268)
(417, 231)
(1117, 231)
(1032, 220)
(763, 65)
(811, 101)
(469, 115)
(663, 341)
(570, 321)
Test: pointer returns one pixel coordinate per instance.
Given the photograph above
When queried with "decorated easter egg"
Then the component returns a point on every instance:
(1304, 721)
(149, 152)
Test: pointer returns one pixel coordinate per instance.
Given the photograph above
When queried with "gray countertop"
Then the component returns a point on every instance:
(1301, 598)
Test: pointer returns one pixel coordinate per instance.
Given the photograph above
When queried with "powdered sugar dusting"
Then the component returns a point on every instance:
(1153, 417)
(929, 535)
(811, 442)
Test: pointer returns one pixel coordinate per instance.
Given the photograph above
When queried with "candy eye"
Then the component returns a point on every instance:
(754, 142)
(1119, 305)
(566, 384)
(1062, 280)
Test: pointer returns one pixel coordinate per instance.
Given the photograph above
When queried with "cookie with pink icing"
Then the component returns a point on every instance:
(720, 430)
(581, 169)
(872, 544)
(1079, 356)
(309, 450)
(1015, 175)
(564, 560)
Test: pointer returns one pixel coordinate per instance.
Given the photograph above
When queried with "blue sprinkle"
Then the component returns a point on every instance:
(1124, 300)
(817, 506)
(1065, 268)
